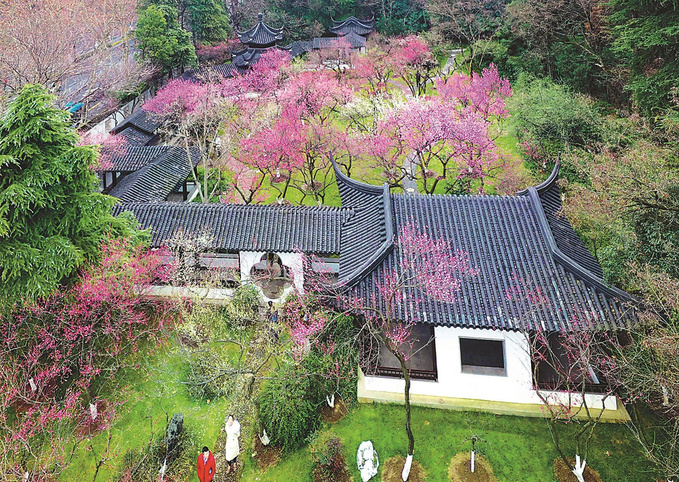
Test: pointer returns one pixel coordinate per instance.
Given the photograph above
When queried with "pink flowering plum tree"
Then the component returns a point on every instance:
(574, 373)
(415, 63)
(377, 66)
(426, 268)
(194, 115)
(110, 147)
(55, 348)
(442, 144)
(481, 94)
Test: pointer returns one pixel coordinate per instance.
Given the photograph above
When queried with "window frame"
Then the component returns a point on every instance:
(481, 369)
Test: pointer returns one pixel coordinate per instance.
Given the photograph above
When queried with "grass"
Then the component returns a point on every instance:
(148, 398)
(519, 449)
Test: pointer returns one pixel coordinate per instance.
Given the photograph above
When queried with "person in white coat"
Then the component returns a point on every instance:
(232, 429)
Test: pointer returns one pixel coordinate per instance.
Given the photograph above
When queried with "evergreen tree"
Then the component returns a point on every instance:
(161, 39)
(52, 220)
(208, 20)
(647, 37)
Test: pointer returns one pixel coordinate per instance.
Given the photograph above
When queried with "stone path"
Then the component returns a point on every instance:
(410, 167)
(450, 63)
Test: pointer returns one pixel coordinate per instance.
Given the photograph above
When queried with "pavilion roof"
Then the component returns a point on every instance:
(261, 35)
(299, 47)
(353, 25)
(355, 41)
(509, 240)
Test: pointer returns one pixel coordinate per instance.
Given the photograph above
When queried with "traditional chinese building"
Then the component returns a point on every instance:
(470, 350)
(353, 25)
(261, 36)
(150, 173)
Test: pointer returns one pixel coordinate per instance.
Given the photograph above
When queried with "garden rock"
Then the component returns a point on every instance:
(174, 430)
(367, 460)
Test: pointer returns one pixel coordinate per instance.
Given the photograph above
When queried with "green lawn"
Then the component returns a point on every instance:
(519, 449)
(149, 396)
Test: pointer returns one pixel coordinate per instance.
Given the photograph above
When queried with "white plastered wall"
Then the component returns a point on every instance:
(294, 261)
(514, 387)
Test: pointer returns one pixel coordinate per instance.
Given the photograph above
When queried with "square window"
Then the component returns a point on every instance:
(483, 357)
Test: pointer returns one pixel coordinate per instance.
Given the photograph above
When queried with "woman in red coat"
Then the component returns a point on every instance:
(206, 466)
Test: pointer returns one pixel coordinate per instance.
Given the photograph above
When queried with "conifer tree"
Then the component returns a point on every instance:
(52, 219)
(209, 22)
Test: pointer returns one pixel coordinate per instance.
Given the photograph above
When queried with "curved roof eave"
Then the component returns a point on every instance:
(387, 245)
(533, 193)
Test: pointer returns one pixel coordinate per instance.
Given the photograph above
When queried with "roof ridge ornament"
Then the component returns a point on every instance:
(547, 183)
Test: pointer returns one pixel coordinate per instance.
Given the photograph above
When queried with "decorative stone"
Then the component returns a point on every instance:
(174, 430)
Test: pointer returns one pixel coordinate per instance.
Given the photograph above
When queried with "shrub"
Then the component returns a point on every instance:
(145, 462)
(288, 409)
(550, 117)
(206, 379)
(326, 452)
(246, 300)
(334, 358)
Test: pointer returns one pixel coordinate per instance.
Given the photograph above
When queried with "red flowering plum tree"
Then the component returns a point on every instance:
(54, 349)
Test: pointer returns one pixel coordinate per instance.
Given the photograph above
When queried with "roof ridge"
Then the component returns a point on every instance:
(566, 261)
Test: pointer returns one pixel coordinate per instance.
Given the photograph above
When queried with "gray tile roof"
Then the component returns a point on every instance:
(367, 234)
(225, 70)
(246, 57)
(261, 35)
(155, 181)
(234, 227)
(353, 25)
(135, 137)
(135, 157)
(299, 47)
(506, 237)
(567, 240)
(355, 41)
(142, 120)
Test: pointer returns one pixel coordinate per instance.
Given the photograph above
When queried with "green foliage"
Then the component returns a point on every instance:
(143, 463)
(246, 299)
(208, 20)
(646, 36)
(326, 453)
(207, 377)
(551, 117)
(162, 41)
(51, 219)
(288, 412)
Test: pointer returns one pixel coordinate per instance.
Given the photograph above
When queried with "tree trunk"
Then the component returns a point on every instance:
(406, 376)
(579, 469)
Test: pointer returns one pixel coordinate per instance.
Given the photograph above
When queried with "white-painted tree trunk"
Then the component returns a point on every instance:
(331, 400)
(163, 469)
(93, 411)
(34, 387)
(406, 468)
(264, 438)
(472, 462)
(579, 469)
